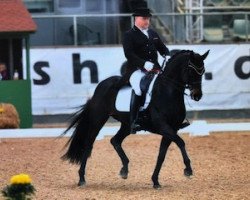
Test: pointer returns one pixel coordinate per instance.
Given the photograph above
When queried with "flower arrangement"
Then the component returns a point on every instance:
(9, 117)
(20, 188)
(1, 109)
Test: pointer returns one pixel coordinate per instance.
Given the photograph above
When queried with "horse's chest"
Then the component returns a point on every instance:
(171, 107)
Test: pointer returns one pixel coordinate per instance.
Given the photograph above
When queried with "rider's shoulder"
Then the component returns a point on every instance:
(152, 32)
(129, 33)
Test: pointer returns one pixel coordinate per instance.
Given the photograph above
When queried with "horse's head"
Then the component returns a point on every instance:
(192, 74)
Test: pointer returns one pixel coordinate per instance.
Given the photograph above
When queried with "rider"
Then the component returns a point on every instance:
(140, 45)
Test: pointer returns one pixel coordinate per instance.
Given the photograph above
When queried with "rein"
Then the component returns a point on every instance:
(163, 65)
(176, 84)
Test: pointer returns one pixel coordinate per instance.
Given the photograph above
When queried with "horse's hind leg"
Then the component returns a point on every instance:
(165, 142)
(181, 144)
(116, 141)
(81, 171)
(95, 126)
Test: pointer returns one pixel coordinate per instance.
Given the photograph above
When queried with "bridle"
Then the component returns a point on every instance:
(199, 70)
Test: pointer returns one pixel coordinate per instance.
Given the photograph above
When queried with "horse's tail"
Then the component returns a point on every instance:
(78, 139)
(88, 121)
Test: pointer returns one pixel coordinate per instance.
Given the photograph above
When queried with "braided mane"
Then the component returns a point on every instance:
(177, 54)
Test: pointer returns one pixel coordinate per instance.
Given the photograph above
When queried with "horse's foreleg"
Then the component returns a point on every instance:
(165, 142)
(116, 141)
(173, 136)
(181, 144)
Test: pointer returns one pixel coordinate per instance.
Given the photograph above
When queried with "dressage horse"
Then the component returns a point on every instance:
(164, 114)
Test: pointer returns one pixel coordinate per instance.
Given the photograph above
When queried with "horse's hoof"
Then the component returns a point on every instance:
(124, 176)
(157, 186)
(188, 173)
(81, 183)
(124, 173)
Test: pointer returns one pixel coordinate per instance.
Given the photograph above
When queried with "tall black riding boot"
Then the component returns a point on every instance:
(134, 110)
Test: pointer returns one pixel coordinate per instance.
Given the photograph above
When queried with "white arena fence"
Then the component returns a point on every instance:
(73, 74)
(197, 128)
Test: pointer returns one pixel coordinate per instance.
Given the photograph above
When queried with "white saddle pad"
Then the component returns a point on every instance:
(122, 102)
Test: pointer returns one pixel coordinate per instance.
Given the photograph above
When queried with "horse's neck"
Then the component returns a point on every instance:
(169, 92)
(171, 78)
(173, 71)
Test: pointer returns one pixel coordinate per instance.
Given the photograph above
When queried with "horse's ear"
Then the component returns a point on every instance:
(205, 55)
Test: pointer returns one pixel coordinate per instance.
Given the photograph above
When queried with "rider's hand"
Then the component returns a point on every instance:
(148, 65)
(157, 67)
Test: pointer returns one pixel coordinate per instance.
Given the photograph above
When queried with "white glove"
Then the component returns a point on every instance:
(148, 65)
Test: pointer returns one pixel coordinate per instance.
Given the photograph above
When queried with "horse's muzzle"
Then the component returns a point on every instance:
(196, 94)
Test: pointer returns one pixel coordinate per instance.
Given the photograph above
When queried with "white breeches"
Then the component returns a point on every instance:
(135, 80)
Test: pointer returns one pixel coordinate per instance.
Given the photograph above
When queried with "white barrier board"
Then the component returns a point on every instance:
(64, 78)
(197, 128)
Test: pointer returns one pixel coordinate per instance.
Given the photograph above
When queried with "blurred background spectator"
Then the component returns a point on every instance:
(3, 71)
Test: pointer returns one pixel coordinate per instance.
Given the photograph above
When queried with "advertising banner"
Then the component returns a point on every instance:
(65, 78)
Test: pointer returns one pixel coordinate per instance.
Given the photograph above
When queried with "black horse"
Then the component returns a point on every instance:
(164, 114)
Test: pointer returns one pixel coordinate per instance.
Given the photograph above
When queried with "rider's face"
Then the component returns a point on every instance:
(142, 22)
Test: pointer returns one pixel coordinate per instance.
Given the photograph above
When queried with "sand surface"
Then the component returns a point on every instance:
(220, 163)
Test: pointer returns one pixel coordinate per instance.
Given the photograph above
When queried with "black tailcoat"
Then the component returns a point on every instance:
(138, 49)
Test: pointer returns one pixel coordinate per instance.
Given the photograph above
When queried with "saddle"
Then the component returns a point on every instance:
(122, 102)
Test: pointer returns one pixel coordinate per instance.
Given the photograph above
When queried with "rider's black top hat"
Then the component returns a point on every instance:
(140, 8)
(143, 12)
